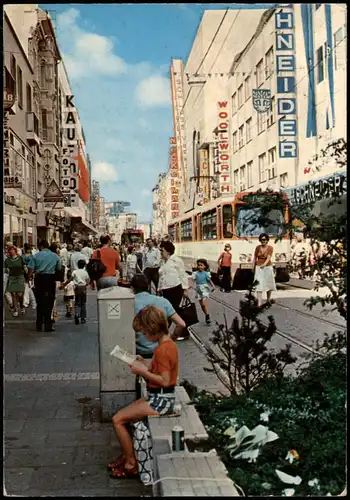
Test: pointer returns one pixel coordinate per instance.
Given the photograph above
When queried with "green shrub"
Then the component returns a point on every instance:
(308, 413)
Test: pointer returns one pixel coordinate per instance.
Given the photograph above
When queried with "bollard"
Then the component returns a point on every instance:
(116, 310)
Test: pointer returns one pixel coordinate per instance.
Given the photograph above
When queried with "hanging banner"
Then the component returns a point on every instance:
(224, 166)
(174, 175)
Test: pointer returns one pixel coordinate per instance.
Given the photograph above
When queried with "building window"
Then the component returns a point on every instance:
(43, 75)
(235, 180)
(284, 180)
(234, 142)
(44, 123)
(271, 113)
(272, 163)
(13, 67)
(337, 39)
(259, 73)
(241, 136)
(261, 122)
(29, 98)
(20, 87)
(250, 174)
(262, 171)
(242, 181)
(320, 65)
(234, 103)
(269, 63)
(248, 130)
(247, 88)
(240, 96)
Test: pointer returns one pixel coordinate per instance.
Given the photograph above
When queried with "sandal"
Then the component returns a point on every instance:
(123, 473)
(114, 465)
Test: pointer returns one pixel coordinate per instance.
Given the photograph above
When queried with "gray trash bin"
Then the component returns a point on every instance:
(116, 311)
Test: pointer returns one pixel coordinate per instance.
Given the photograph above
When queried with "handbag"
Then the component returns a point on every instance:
(188, 312)
(96, 267)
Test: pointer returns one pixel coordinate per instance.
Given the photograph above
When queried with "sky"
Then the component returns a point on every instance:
(117, 58)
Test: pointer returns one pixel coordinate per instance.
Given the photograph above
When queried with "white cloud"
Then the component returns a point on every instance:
(104, 172)
(153, 91)
(89, 53)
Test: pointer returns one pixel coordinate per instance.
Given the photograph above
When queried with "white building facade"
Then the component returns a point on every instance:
(161, 205)
(297, 54)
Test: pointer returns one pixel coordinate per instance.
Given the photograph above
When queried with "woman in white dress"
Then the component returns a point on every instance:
(263, 270)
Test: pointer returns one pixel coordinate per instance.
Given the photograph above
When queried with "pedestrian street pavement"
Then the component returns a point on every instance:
(54, 442)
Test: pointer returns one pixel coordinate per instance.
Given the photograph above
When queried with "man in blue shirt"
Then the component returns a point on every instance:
(45, 264)
(143, 298)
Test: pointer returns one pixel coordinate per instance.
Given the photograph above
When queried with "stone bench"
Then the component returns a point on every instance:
(199, 474)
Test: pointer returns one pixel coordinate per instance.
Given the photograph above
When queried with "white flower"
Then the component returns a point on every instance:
(314, 482)
(265, 416)
(288, 492)
(286, 478)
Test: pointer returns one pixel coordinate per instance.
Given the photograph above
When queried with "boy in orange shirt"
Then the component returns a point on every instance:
(161, 376)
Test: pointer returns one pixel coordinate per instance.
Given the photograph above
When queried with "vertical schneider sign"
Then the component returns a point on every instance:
(286, 92)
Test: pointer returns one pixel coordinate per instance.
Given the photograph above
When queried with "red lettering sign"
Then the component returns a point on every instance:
(225, 189)
(225, 177)
(225, 167)
(223, 145)
(307, 170)
(222, 104)
(223, 125)
(222, 136)
(174, 215)
(174, 206)
(223, 114)
(175, 198)
(224, 157)
(173, 173)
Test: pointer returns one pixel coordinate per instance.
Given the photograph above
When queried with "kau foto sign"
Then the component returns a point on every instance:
(69, 154)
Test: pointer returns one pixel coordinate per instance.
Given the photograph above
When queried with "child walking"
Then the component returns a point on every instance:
(204, 286)
(69, 294)
(132, 266)
(80, 280)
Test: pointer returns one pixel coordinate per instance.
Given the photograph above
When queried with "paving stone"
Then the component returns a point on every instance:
(96, 455)
(13, 426)
(17, 479)
(67, 412)
(39, 456)
(41, 412)
(35, 424)
(21, 439)
(17, 413)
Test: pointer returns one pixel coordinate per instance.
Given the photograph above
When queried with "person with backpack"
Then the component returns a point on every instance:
(104, 264)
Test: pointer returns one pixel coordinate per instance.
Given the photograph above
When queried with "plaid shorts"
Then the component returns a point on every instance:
(162, 403)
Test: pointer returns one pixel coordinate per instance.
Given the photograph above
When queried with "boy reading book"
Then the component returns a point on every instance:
(161, 376)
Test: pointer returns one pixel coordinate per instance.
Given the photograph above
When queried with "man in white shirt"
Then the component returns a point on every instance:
(87, 250)
(151, 262)
(75, 257)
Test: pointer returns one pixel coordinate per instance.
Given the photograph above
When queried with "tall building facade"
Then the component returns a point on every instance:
(295, 57)
(161, 207)
(23, 146)
(35, 88)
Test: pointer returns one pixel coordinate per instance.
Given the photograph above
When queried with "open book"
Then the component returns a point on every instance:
(125, 356)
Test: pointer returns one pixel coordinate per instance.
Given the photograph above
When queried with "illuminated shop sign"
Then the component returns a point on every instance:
(320, 189)
(286, 95)
(224, 149)
(174, 174)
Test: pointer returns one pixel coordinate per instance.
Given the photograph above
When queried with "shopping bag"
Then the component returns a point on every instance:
(142, 443)
(188, 312)
(26, 297)
(7, 295)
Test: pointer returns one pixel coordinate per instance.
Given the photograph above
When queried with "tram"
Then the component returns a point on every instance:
(203, 233)
(132, 236)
